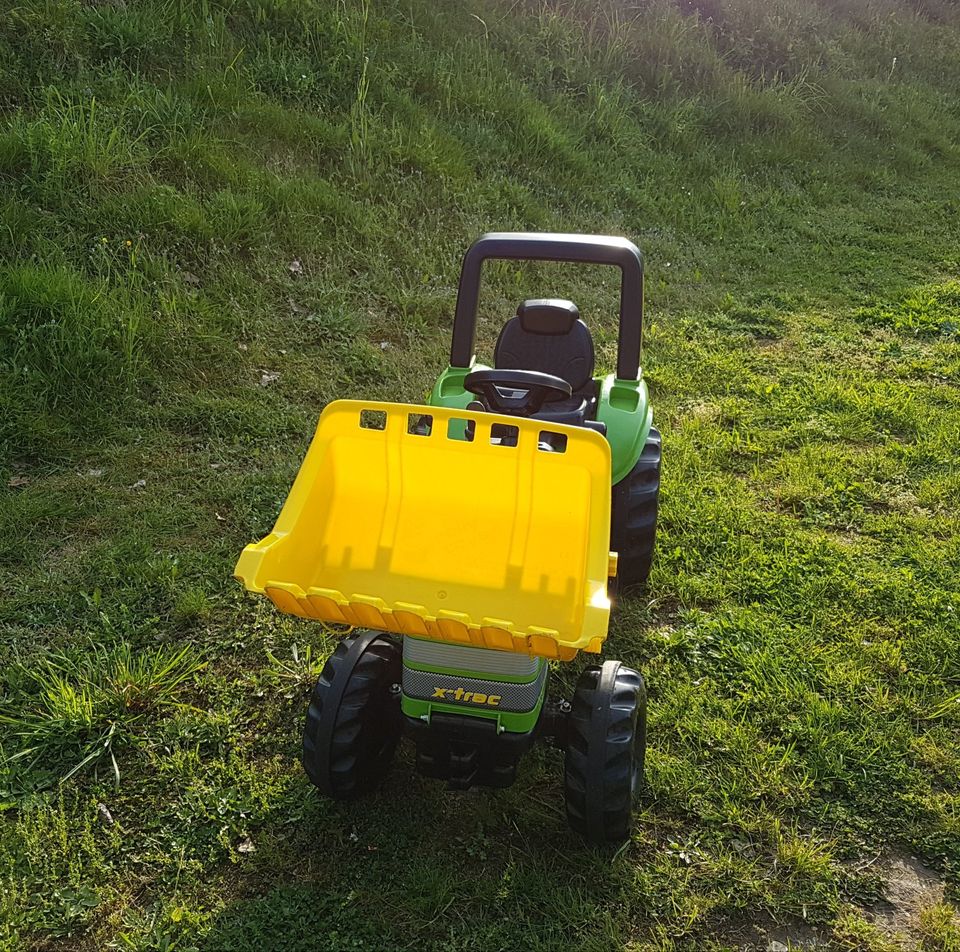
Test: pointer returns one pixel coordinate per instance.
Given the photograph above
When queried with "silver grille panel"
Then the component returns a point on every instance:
(440, 654)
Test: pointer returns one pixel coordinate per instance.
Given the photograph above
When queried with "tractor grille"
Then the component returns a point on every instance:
(474, 693)
(441, 654)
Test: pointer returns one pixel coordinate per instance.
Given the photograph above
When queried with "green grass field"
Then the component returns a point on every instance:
(217, 215)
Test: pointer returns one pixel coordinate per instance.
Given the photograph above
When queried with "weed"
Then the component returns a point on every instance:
(83, 706)
(939, 929)
(928, 311)
(855, 933)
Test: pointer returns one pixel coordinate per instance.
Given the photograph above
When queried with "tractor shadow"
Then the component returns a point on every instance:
(416, 866)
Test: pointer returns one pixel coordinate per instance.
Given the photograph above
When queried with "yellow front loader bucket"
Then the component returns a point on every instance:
(398, 521)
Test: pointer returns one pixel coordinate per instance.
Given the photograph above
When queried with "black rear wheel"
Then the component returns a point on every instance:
(606, 744)
(633, 516)
(354, 721)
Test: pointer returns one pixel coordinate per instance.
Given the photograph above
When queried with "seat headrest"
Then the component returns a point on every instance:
(548, 316)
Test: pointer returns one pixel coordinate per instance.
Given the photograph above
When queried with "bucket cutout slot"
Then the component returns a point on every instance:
(504, 434)
(461, 429)
(419, 424)
(552, 442)
(373, 420)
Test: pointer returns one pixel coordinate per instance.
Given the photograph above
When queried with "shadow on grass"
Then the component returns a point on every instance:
(420, 867)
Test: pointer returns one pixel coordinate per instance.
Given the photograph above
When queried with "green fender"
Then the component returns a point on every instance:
(624, 405)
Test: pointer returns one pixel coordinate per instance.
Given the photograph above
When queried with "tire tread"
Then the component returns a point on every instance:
(633, 515)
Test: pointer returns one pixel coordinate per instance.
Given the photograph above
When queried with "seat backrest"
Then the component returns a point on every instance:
(548, 336)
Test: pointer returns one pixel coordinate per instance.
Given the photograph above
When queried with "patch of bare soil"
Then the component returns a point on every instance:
(770, 936)
(910, 887)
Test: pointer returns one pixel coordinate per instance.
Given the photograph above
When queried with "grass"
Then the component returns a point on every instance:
(215, 217)
(90, 702)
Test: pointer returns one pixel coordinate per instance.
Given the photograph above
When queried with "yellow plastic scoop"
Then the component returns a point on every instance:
(465, 527)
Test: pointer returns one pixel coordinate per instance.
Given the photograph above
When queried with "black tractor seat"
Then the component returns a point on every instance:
(548, 336)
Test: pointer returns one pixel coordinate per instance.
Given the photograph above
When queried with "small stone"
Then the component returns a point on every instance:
(295, 267)
(139, 484)
(268, 377)
(106, 817)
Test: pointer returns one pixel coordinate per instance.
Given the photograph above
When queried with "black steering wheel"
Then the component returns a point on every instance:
(516, 392)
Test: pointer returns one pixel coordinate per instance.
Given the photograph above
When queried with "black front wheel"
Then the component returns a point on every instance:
(606, 744)
(354, 720)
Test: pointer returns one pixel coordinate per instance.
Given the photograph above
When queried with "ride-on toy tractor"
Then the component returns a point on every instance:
(487, 528)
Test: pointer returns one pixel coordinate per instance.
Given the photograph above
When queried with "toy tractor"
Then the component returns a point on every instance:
(488, 529)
